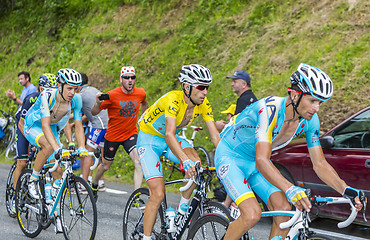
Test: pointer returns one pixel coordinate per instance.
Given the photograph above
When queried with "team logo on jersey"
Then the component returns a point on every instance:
(128, 108)
(141, 151)
(172, 110)
(223, 170)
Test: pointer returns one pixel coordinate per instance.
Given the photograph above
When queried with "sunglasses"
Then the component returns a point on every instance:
(201, 87)
(128, 77)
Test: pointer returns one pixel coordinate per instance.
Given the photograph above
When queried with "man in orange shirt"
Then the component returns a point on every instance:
(123, 109)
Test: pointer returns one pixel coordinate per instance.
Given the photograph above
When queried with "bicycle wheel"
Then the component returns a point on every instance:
(133, 217)
(11, 151)
(211, 207)
(26, 207)
(204, 156)
(209, 226)
(78, 211)
(10, 192)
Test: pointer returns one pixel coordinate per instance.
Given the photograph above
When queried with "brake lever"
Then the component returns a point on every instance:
(364, 203)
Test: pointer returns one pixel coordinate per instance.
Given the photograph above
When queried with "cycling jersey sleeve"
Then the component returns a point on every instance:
(313, 132)
(206, 110)
(77, 107)
(45, 101)
(267, 118)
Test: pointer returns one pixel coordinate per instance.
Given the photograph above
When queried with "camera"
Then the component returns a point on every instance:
(104, 96)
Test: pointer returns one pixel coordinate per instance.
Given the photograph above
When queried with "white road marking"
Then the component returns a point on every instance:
(337, 235)
(109, 190)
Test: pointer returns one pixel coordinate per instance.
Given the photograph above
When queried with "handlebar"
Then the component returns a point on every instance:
(325, 200)
(97, 158)
(199, 169)
(96, 154)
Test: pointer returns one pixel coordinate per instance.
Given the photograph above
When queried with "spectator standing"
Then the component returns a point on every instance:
(97, 126)
(24, 79)
(123, 110)
(241, 84)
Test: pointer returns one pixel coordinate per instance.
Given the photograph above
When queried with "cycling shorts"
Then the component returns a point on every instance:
(96, 138)
(34, 133)
(150, 148)
(110, 148)
(239, 175)
(22, 146)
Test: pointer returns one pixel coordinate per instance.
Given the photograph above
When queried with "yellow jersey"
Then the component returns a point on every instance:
(172, 104)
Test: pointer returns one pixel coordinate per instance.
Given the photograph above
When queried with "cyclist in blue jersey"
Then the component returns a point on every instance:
(242, 157)
(51, 111)
(46, 80)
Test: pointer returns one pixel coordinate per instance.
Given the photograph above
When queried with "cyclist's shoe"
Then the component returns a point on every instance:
(102, 186)
(33, 189)
(58, 225)
(137, 203)
(95, 189)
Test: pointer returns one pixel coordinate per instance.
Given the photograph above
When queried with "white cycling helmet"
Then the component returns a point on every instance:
(69, 76)
(313, 81)
(195, 74)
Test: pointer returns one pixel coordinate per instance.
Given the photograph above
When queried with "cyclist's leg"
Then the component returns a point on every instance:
(110, 149)
(130, 148)
(233, 170)
(22, 155)
(36, 137)
(149, 149)
(92, 143)
(275, 200)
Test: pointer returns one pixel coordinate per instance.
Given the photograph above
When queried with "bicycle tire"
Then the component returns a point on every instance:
(11, 151)
(204, 156)
(211, 207)
(28, 220)
(10, 192)
(213, 226)
(78, 211)
(133, 217)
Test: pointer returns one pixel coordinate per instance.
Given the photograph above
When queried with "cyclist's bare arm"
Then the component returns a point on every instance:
(79, 133)
(327, 173)
(45, 121)
(144, 106)
(171, 140)
(68, 132)
(213, 132)
(95, 109)
(21, 125)
(175, 146)
(272, 174)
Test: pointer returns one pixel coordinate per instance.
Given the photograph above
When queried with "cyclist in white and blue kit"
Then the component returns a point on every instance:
(50, 112)
(242, 157)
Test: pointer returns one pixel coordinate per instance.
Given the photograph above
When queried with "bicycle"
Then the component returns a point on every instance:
(78, 213)
(298, 224)
(8, 143)
(202, 152)
(200, 205)
(10, 191)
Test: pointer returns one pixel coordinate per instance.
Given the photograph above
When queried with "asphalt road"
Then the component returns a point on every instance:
(110, 212)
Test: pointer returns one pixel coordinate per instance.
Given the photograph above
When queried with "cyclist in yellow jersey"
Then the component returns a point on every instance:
(159, 126)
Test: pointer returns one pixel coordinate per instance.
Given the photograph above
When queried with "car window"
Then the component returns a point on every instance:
(355, 133)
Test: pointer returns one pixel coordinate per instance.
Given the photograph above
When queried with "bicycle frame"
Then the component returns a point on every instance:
(199, 197)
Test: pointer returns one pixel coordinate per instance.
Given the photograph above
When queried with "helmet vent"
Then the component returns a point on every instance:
(313, 84)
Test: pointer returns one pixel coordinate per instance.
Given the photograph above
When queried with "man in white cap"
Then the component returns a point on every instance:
(123, 106)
